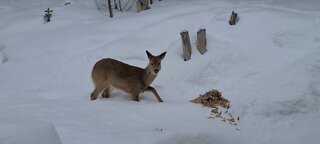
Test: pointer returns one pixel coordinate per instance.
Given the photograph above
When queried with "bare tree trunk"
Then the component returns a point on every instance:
(202, 41)
(186, 45)
(233, 18)
(120, 7)
(115, 4)
(110, 8)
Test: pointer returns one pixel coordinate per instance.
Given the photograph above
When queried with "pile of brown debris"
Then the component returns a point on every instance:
(214, 100)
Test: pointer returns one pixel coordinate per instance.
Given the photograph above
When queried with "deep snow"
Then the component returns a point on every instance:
(267, 66)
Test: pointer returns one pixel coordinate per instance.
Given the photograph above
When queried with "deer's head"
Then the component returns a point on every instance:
(154, 65)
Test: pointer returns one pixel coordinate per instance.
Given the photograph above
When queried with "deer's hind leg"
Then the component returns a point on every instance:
(99, 87)
(106, 92)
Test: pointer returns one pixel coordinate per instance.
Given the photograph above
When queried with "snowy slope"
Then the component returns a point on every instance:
(267, 66)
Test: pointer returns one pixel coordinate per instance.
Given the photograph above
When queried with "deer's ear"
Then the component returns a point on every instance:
(161, 56)
(149, 54)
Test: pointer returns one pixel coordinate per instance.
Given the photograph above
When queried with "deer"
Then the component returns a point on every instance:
(133, 80)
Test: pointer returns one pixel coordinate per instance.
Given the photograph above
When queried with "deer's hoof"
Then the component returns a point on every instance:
(93, 98)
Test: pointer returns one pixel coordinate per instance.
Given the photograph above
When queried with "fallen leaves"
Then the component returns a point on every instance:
(214, 100)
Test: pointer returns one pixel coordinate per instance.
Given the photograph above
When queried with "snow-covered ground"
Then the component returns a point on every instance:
(22, 131)
(268, 66)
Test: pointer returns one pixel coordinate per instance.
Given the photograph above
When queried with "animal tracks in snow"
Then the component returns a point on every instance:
(287, 39)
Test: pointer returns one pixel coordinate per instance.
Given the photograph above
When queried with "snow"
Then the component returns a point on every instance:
(267, 65)
(21, 131)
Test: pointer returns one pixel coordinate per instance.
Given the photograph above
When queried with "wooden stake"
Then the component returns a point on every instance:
(186, 45)
(202, 41)
(233, 18)
(139, 6)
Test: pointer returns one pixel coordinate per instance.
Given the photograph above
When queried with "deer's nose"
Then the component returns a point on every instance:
(156, 70)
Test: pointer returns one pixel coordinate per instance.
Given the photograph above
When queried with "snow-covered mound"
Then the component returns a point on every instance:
(17, 131)
(267, 65)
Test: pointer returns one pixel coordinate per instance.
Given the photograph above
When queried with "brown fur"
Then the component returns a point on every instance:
(131, 79)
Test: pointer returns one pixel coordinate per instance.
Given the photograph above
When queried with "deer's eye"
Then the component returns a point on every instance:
(151, 63)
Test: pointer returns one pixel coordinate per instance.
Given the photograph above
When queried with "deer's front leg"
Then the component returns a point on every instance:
(135, 97)
(151, 89)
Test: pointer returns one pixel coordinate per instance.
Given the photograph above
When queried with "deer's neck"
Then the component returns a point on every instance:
(148, 76)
